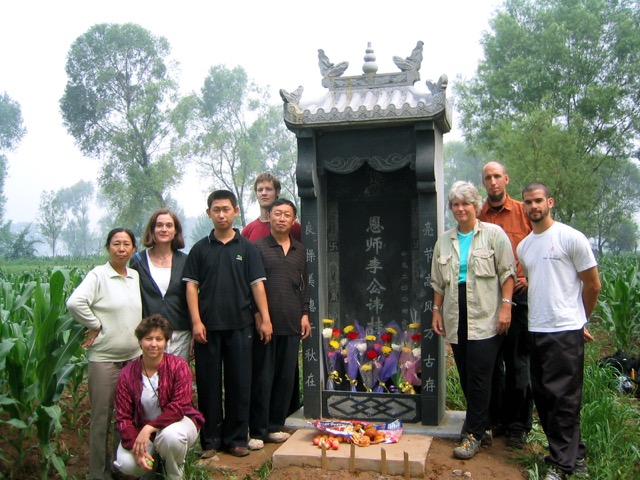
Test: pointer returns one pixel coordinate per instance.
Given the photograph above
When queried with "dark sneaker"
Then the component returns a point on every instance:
(555, 474)
(487, 439)
(580, 470)
(467, 449)
(499, 430)
(517, 439)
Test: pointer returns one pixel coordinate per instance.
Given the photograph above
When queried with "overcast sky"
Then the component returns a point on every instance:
(275, 42)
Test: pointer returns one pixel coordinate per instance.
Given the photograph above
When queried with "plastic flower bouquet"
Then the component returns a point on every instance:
(409, 361)
(388, 359)
(333, 352)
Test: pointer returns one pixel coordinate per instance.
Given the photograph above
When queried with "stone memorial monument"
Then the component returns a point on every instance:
(369, 176)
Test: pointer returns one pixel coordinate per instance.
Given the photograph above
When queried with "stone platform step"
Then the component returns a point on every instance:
(299, 451)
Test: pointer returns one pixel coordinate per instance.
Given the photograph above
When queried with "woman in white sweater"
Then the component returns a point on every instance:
(108, 303)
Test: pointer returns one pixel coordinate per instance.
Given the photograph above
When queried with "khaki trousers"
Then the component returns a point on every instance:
(103, 377)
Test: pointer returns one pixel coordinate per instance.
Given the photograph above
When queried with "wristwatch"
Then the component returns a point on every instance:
(436, 308)
(510, 302)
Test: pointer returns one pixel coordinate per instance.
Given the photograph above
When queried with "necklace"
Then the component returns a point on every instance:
(155, 392)
(161, 259)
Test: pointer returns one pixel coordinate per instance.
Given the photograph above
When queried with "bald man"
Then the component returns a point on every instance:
(511, 406)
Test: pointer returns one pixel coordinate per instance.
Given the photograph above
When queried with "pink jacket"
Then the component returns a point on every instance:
(175, 394)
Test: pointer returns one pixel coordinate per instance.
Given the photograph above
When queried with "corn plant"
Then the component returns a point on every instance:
(619, 303)
(38, 339)
(72, 411)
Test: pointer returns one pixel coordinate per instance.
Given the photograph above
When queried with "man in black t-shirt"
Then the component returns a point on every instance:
(224, 272)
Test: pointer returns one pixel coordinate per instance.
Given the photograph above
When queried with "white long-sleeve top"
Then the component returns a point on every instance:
(105, 299)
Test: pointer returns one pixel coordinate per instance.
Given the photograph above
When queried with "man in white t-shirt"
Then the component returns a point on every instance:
(563, 291)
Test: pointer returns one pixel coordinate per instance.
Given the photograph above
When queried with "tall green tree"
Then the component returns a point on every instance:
(462, 163)
(51, 219)
(557, 98)
(626, 237)
(22, 245)
(11, 132)
(201, 228)
(75, 202)
(280, 152)
(117, 104)
(227, 127)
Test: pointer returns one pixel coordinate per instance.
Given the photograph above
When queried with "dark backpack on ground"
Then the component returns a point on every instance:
(628, 367)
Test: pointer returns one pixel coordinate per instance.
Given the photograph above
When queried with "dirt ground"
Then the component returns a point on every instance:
(497, 462)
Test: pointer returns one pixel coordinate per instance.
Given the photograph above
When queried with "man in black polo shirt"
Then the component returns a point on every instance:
(223, 272)
(274, 363)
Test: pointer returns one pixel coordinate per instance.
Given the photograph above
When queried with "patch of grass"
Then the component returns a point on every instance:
(610, 425)
(262, 472)
(455, 397)
(193, 471)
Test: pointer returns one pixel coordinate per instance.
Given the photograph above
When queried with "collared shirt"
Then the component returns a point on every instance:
(512, 218)
(286, 284)
(259, 229)
(224, 273)
(490, 264)
(109, 301)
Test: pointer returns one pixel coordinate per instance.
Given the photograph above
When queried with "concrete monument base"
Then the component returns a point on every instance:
(300, 451)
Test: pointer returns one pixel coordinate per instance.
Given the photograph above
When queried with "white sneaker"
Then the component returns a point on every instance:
(277, 437)
(255, 444)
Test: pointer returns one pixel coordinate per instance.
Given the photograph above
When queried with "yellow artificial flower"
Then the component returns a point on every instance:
(414, 325)
(366, 367)
(392, 331)
(334, 344)
(386, 350)
(327, 321)
(370, 338)
(349, 329)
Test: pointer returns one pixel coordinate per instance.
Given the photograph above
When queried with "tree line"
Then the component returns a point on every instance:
(555, 98)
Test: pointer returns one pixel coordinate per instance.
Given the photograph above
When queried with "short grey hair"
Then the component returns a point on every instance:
(467, 192)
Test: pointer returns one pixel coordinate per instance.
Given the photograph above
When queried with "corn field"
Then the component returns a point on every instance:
(39, 353)
(40, 358)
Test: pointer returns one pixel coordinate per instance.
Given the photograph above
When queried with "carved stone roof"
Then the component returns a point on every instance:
(371, 97)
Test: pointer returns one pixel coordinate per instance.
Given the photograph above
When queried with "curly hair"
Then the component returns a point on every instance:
(153, 322)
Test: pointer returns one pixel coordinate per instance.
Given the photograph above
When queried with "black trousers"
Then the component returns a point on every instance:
(511, 396)
(273, 380)
(475, 360)
(231, 350)
(557, 374)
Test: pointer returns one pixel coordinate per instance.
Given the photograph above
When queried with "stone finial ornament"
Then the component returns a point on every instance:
(328, 69)
(370, 97)
(293, 97)
(413, 61)
(370, 66)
